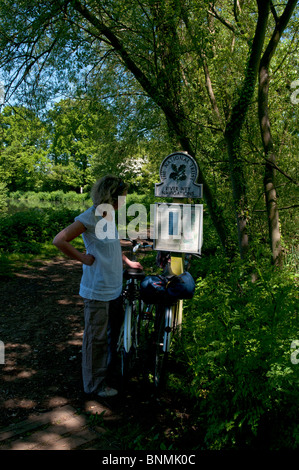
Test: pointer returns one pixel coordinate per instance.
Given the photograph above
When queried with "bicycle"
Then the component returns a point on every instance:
(128, 342)
(146, 326)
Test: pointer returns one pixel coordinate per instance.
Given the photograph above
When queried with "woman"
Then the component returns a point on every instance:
(101, 282)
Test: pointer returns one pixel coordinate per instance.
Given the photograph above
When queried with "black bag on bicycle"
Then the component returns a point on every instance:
(153, 289)
(162, 290)
(180, 287)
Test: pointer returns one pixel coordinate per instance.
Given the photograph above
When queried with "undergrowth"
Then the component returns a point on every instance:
(236, 345)
(234, 363)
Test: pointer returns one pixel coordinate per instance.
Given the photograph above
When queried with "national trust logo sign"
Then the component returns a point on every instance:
(178, 173)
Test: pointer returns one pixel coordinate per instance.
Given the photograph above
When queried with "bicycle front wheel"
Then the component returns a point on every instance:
(129, 349)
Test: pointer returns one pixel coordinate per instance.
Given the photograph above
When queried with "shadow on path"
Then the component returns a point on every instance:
(41, 326)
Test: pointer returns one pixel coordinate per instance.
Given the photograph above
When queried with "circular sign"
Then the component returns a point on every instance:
(178, 173)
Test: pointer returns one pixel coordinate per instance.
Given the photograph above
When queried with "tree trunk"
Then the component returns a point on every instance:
(234, 127)
(269, 177)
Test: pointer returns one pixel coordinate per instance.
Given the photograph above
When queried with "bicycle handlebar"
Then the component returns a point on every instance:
(137, 245)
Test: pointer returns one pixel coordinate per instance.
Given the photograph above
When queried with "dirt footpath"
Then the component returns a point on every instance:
(41, 399)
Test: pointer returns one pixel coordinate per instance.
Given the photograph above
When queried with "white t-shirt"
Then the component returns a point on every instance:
(103, 279)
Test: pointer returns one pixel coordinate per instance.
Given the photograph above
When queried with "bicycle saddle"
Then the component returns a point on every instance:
(134, 273)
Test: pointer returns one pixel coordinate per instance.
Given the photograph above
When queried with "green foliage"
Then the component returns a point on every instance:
(235, 343)
(36, 219)
(75, 144)
(24, 232)
(140, 437)
(23, 143)
(166, 76)
(147, 79)
(237, 334)
(82, 136)
(49, 196)
(3, 196)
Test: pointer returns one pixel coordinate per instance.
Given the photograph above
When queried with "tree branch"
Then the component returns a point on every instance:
(119, 47)
(273, 11)
(280, 208)
(275, 167)
(222, 20)
(281, 24)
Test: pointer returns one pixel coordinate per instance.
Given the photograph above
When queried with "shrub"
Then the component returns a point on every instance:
(3, 197)
(53, 196)
(236, 341)
(22, 231)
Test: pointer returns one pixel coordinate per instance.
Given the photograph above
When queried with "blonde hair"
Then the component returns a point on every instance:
(107, 189)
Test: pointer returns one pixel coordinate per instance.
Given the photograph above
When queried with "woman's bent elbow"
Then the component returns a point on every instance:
(56, 241)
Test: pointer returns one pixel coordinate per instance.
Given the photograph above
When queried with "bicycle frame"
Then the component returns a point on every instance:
(168, 328)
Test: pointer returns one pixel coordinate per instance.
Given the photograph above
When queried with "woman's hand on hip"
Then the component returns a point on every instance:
(88, 259)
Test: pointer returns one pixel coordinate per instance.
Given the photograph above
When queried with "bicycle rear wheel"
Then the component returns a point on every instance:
(162, 345)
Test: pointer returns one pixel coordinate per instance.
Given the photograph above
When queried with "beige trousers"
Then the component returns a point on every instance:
(102, 324)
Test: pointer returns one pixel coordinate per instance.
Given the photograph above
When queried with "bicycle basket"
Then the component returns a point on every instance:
(153, 289)
(181, 287)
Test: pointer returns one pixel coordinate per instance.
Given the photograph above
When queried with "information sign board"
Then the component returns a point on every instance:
(178, 227)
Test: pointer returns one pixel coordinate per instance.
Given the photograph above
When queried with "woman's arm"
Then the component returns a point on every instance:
(131, 264)
(63, 239)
